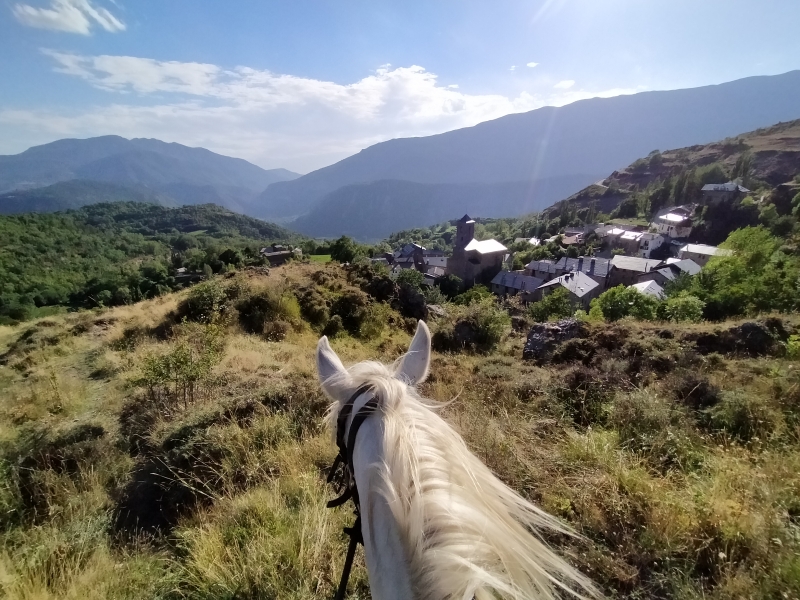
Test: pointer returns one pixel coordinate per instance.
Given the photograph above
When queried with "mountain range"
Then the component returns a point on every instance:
(531, 160)
(171, 173)
(506, 167)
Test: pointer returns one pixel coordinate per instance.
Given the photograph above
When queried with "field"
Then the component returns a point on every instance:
(174, 448)
(319, 258)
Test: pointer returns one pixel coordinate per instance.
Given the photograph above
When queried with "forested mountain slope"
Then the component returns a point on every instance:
(188, 175)
(580, 143)
(107, 254)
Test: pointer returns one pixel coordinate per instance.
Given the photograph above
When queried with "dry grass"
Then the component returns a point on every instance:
(675, 501)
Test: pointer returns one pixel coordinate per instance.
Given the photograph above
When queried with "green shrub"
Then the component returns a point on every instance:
(334, 326)
(683, 307)
(205, 302)
(433, 295)
(555, 305)
(313, 306)
(411, 278)
(352, 308)
(479, 326)
(476, 293)
(266, 305)
(619, 302)
(375, 320)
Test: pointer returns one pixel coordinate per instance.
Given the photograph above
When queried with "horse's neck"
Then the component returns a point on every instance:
(387, 562)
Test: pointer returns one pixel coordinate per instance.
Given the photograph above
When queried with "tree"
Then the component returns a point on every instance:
(232, 257)
(450, 286)
(410, 278)
(345, 250)
(683, 307)
(619, 302)
(556, 305)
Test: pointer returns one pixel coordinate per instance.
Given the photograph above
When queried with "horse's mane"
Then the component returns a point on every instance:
(467, 534)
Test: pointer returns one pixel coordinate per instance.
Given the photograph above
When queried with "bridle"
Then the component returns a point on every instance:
(343, 477)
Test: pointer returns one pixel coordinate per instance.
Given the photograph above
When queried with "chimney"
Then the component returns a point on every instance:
(580, 263)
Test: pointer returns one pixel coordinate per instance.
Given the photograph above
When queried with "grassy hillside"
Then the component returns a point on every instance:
(118, 253)
(766, 161)
(147, 456)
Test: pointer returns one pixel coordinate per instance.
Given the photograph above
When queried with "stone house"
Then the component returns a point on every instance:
(701, 253)
(511, 283)
(582, 288)
(626, 270)
(723, 191)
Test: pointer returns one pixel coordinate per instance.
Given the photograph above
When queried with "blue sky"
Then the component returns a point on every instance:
(302, 84)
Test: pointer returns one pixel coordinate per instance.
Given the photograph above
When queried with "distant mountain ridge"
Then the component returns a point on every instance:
(187, 175)
(583, 141)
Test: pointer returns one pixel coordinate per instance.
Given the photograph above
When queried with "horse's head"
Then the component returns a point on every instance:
(339, 384)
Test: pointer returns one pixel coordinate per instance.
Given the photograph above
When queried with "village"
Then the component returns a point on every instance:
(644, 258)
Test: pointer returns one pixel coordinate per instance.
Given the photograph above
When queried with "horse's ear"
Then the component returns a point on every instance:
(414, 365)
(329, 367)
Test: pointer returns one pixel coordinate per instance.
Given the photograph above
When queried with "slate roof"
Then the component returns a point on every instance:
(436, 261)
(649, 288)
(634, 263)
(704, 249)
(548, 266)
(576, 283)
(731, 186)
(534, 241)
(485, 246)
(686, 265)
(517, 280)
(598, 267)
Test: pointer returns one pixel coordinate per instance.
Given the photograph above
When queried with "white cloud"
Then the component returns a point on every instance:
(533, 64)
(512, 68)
(73, 16)
(274, 120)
(564, 85)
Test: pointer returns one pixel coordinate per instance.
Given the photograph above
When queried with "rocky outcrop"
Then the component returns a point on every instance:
(543, 338)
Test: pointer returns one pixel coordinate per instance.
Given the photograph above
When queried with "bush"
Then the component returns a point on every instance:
(683, 307)
(479, 326)
(352, 309)
(620, 302)
(433, 295)
(266, 305)
(375, 321)
(410, 278)
(450, 286)
(334, 326)
(476, 293)
(207, 301)
(554, 306)
(313, 306)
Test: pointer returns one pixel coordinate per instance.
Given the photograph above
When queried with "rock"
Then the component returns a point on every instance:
(750, 339)
(543, 338)
(434, 310)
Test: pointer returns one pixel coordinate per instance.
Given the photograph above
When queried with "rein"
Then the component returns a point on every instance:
(343, 477)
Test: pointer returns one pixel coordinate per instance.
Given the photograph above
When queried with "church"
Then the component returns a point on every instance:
(474, 261)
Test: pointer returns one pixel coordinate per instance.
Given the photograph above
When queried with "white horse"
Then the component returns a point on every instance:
(436, 523)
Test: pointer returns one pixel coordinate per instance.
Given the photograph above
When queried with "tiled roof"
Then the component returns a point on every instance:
(686, 265)
(517, 280)
(576, 282)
